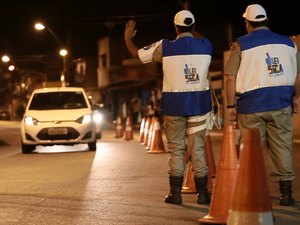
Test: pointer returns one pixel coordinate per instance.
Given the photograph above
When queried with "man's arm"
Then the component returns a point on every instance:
(129, 34)
(230, 97)
(297, 94)
(230, 89)
(230, 72)
(297, 86)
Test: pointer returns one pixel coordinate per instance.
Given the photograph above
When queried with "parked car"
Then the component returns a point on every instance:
(58, 116)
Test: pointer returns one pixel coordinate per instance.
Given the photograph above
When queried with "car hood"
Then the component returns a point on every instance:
(62, 115)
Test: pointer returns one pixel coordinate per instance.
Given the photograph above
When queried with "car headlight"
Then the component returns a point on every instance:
(30, 121)
(84, 119)
(97, 117)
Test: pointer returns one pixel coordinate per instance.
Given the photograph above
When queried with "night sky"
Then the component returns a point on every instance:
(81, 23)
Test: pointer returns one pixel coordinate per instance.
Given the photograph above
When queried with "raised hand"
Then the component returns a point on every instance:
(130, 30)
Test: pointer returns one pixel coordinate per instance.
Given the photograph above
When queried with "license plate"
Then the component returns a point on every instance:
(57, 131)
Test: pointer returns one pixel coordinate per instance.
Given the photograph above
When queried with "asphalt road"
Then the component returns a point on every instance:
(120, 184)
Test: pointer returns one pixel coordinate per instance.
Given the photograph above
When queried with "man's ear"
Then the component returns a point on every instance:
(247, 24)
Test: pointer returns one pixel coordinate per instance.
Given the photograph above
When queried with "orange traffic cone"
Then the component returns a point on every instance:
(209, 156)
(119, 128)
(156, 141)
(251, 202)
(188, 182)
(224, 182)
(151, 133)
(147, 131)
(142, 130)
(128, 130)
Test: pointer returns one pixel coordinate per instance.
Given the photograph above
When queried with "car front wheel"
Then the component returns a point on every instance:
(27, 148)
(92, 145)
(99, 135)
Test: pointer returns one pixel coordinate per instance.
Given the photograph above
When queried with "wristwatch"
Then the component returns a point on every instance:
(230, 106)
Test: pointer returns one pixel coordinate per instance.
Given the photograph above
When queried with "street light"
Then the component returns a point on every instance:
(5, 58)
(63, 51)
(40, 26)
(9, 65)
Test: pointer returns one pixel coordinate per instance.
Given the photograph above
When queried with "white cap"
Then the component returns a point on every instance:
(255, 13)
(184, 18)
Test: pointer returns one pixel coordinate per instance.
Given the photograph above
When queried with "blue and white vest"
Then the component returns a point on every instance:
(185, 89)
(267, 73)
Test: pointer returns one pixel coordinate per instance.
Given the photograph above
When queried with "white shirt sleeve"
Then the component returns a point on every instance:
(146, 53)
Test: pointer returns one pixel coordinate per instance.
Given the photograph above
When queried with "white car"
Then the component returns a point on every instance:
(58, 116)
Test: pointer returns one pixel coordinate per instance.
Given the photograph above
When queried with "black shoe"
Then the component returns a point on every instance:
(286, 200)
(203, 198)
(173, 199)
(174, 196)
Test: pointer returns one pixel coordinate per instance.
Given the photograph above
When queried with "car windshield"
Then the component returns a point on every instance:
(58, 100)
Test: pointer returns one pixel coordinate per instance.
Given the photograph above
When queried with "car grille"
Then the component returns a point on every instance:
(44, 135)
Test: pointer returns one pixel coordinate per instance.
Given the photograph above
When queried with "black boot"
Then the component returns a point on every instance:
(174, 196)
(203, 196)
(286, 198)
